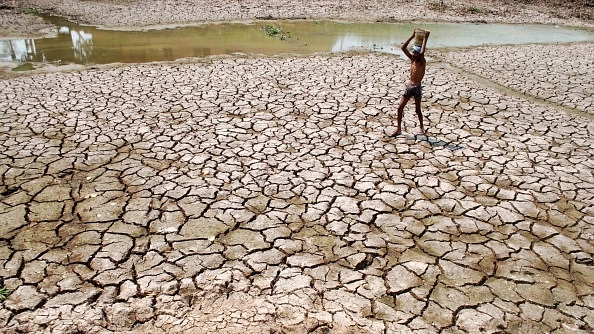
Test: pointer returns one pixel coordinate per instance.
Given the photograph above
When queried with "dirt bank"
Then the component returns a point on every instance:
(18, 19)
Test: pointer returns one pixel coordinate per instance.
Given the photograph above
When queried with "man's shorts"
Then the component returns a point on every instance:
(413, 91)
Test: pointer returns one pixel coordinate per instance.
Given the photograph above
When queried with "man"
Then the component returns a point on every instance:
(413, 88)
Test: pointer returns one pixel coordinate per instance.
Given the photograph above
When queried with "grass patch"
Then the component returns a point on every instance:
(4, 293)
(24, 67)
(274, 31)
(32, 10)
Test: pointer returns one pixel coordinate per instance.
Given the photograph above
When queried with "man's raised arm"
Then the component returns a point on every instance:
(404, 46)
(427, 32)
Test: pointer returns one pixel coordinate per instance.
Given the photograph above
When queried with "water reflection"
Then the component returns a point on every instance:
(82, 44)
(347, 42)
(17, 50)
(25, 50)
(87, 45)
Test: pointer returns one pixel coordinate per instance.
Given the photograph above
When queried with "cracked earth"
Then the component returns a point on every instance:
(263, 195)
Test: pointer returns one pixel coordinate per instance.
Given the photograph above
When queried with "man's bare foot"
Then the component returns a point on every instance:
(396, 133)
(421, 131)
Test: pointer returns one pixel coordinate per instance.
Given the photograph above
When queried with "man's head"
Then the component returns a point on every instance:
(416, 52)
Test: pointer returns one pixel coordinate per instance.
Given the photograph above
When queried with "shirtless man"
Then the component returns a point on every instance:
(413, 88)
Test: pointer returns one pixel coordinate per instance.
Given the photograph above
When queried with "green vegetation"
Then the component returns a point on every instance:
(4, 293)
(24, 67)
(272, 31)
(31, 10)
(276, 32)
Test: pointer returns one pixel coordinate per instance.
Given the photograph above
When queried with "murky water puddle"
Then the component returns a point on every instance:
(88, 45)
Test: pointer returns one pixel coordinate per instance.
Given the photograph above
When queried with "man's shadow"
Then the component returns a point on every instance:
(434, 142)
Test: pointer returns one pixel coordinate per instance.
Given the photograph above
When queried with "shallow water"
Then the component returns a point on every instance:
(88, 45)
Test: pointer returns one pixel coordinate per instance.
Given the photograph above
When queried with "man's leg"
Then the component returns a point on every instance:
(403, 103)
(419, 115)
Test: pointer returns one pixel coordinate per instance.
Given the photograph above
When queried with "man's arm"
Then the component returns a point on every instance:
(404, 46)
(427, 32)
